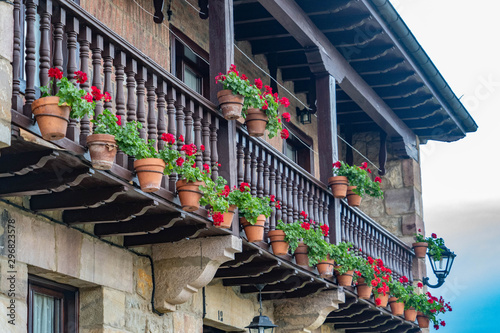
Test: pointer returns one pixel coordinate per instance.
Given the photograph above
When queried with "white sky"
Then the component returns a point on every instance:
(460, 180)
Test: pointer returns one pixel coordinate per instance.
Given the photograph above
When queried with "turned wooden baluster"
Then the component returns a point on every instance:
(295, 195)
(213, 142)
(72, 30)
(253, 181)
(240, 156)
(171, 100)
(310, 202)
(272, 191)
(161, 92)
(205, 133)
(97, 48)
(266, 160)
(284, 193)
(278, 169)
(197, 134)
(151, 85)
(140, 79)
(300, 195)
(45, 11)
(120, 61)
(364, 235)
(320, 209)
(179, 117)
(248, 162)
(357, 233)
(326, 204)
(30, 59)
(343, 224)
(316, 206)
(188, 121)
(84, 39)
(289, 200)
(259, 155)
(108, 55)
(131, 72)
(17, 102)
(59, 23)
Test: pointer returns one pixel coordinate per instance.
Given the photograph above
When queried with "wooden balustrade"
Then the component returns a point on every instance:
(145, 92)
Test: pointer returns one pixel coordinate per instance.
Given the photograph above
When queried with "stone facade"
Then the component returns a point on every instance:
(6, 49)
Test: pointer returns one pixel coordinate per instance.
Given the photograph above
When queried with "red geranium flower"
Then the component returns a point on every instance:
(380, 263)
(179, 161)
(433, 235)
(420, 285)
(206, 167)
(119, 120)
(202, 147)
(226, 191)
(96, 93)
(258, 83)
(55, 73)
(190, 149)
(364, 165)
(168, 137)
(436, 327)
(403, 279)
(378, 179)
(337, 165)
(369, 171)
(285, 134)
(374, 283)
(325, 229)
(80, 77)
(88, 97)
(358, 273)
(265, 106)
(303, 214)
(443, 323)
(244, 77)
(305, 225)
(181, 138)
(218, 218)
(286, 117)
(244, 186)
(378, 301)
(269, 90)
(285, 102)
(370, 260)
(107, 97)
(272, 198)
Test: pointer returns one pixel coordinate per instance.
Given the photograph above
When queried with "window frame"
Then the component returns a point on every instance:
(69, 302)
(303, 147)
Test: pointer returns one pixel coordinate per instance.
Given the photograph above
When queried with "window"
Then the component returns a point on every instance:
(189, 62)
(52, 307)
(298, 147)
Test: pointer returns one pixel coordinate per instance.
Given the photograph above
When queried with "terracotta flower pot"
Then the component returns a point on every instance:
(189, 194)
(353, 199)
(325, 268)
(228, 218)
(255, 232)
(344, 280)
(102, 149)
(51, 118)
(397, 308)
(423, 320)
(150, 173)
(300, 255)
(410, 314)
(256, 121)
(338, 185)
(277, 238)
(364, 290)
(384, 299)
(420, 249)
(230, 104)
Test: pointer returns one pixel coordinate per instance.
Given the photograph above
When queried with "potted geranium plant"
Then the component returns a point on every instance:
(52, 112)
(253, 211)
(216, 195)
(380, 283)
(346, 262)
(363, 276)
(360, 182)
(235, 89)
(102, 144)
(398, 293)
(286, 235)
(320, 252)
(339, 181)
(428, 308)
(433, 244)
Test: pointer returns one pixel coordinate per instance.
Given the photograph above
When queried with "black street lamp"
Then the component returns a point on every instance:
(260, 323)
(441, 267)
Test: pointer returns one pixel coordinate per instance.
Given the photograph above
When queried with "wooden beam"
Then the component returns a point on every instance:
(288, 286)
(123, 211)
(23, 163)
(293, 18)
(169, 235)
(251, 269)
(276, 276)
(70, 199)
(359, 322)
(308, 290)
(150, 224)
(242, 258)
(45, 182)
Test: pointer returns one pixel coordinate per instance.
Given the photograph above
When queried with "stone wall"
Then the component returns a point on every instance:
(6, 49)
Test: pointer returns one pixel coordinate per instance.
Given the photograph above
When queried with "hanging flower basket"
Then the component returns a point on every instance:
(254, 232)
(364, 290)
(189, 194)
(397, 308)
(353, 199)
(338, 185)
(230, 104)
(278, 244)
(150, 173)
(420, 249)
(256, 121)
(51, 118)
(102, 149)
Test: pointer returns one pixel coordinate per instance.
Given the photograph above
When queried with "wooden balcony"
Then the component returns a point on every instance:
(57, 176)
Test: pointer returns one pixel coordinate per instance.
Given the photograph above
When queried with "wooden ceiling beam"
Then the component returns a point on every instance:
(149, 224)
(23, 163)
(247, 270)
(170, 235)
(242, 258)
(289, 285)
(308, 290)
(275, 276)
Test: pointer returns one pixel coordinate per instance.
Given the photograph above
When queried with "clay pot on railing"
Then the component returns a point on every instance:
(300, 255)
(278, 244)
(189, 194)
(353, 199)
(420, 249)
(338, 184)
(423, 320)
(344, 280)
(256, 121)
(364, 290)
(325, 267)
(410, 314)
(150, 173)
(228, 218)
(51, 118)
(254, 232)
(384, 299)
(230, 104)
(102, 149)
(397, 308)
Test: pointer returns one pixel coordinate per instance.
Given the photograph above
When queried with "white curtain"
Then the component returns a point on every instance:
(43, 314)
